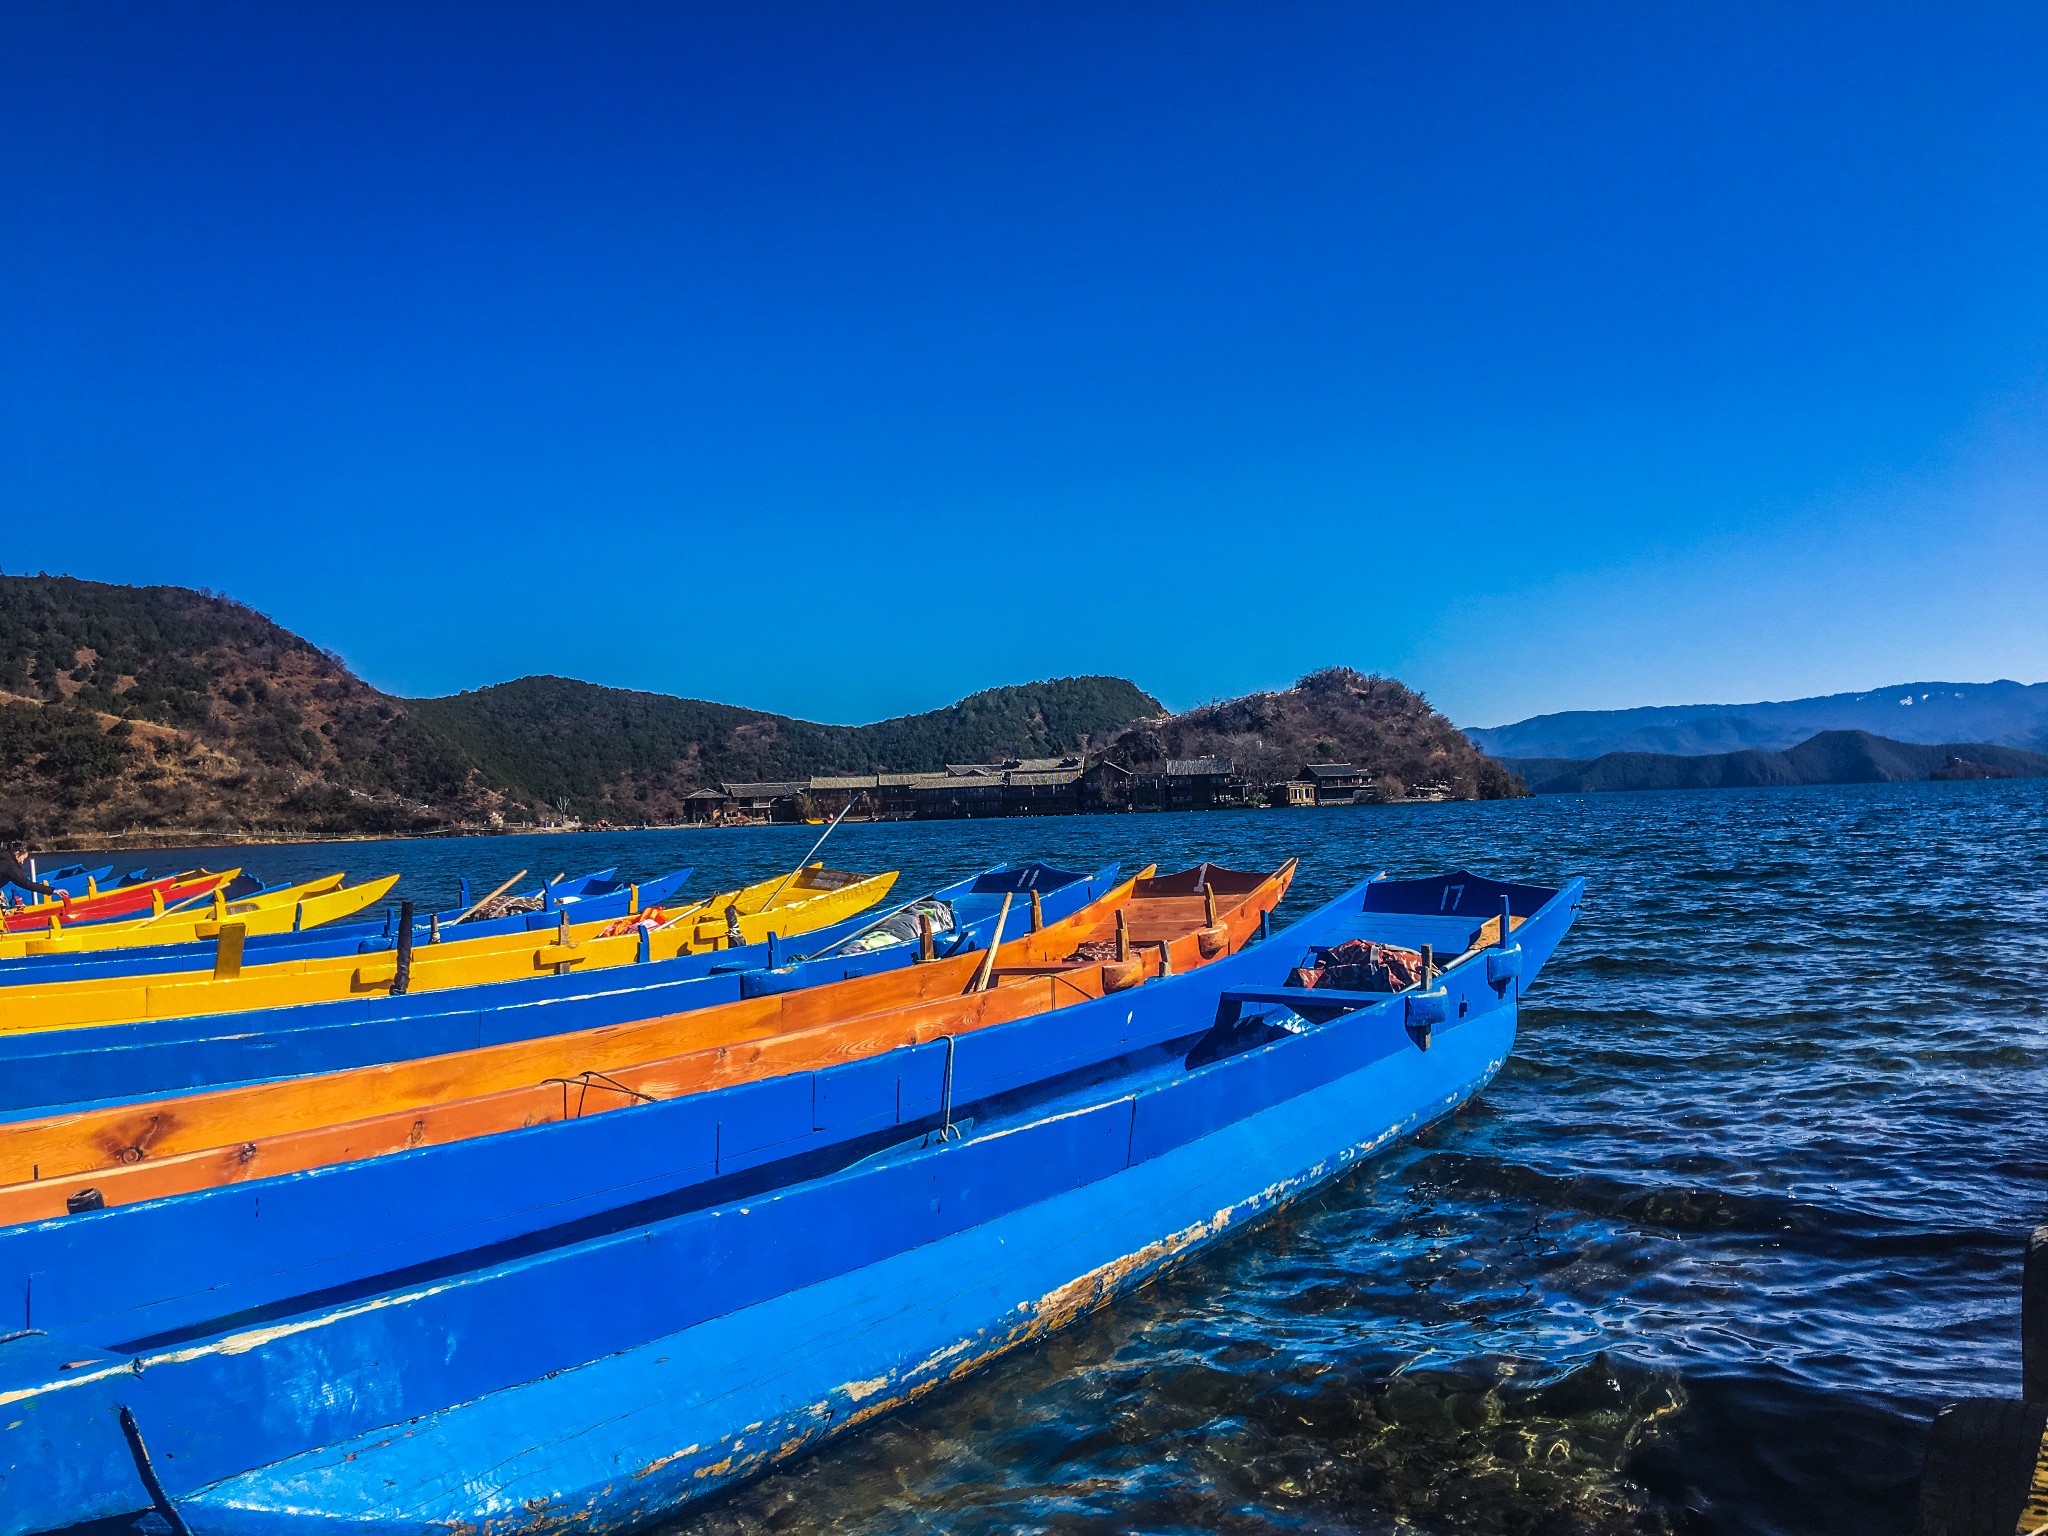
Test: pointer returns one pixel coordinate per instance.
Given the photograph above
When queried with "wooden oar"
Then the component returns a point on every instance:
(988, 963)
(177, 906)
(852, 801)
(478, 906)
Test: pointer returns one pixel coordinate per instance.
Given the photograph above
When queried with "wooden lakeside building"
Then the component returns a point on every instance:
(1034, 786)
(1329, 784)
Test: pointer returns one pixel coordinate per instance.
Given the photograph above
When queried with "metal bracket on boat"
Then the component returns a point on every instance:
(146, 1470)
(1423, 1012)
(948, 1131)
(1503, 966)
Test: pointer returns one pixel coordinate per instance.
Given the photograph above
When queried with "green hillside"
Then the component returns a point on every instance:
(1334, 715)
(127, 710)
(611, 752)
(145, 707)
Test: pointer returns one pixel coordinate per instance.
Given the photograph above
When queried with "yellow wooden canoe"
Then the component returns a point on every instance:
(811, 898)
(290, 910)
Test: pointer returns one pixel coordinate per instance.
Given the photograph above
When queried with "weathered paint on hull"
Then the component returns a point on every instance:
(613, 1445)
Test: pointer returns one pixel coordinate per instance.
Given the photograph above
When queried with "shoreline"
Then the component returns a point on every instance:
(107, 842)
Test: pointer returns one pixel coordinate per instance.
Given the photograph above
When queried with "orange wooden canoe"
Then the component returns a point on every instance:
(139, 1152)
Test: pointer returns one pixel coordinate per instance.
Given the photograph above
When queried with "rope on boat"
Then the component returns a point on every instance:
(589, 1080)
(947, 1130)
(151, 1483)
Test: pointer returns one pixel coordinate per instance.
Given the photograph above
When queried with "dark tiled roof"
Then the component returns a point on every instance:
(1190, 767)
(940, 784)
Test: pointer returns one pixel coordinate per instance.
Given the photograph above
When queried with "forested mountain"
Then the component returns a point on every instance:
(159, 709)
(2004, 713)
(611, 752)
(132, 710)
(1832, 757)
(1335, 715)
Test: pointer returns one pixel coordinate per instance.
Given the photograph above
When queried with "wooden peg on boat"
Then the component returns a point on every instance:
(227, 951)
(1123, 934)
(1208, 906)
(926, 950)
(1037, 914)
(402, 978)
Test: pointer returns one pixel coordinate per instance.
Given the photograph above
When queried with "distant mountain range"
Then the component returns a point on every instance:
(159, 710)
(2003, 713)
(1832, 757)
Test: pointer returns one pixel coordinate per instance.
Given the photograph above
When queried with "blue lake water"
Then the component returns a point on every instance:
(1744, 1208)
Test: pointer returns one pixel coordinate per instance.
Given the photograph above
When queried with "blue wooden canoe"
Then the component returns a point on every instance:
(642, 1330)
(587, 897)
(49, 1069)
(76, 879)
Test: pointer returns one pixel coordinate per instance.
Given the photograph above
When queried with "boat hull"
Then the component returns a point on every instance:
(122, 902)
(744, 1325)
(615, 1444)
(102, 1064)
(37, 968)
(291, 981)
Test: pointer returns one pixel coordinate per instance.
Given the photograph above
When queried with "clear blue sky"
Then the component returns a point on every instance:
(842, 358)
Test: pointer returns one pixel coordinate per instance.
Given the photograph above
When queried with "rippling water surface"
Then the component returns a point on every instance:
(1743, 1209)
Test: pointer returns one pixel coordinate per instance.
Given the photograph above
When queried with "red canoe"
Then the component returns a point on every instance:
(125, 901)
